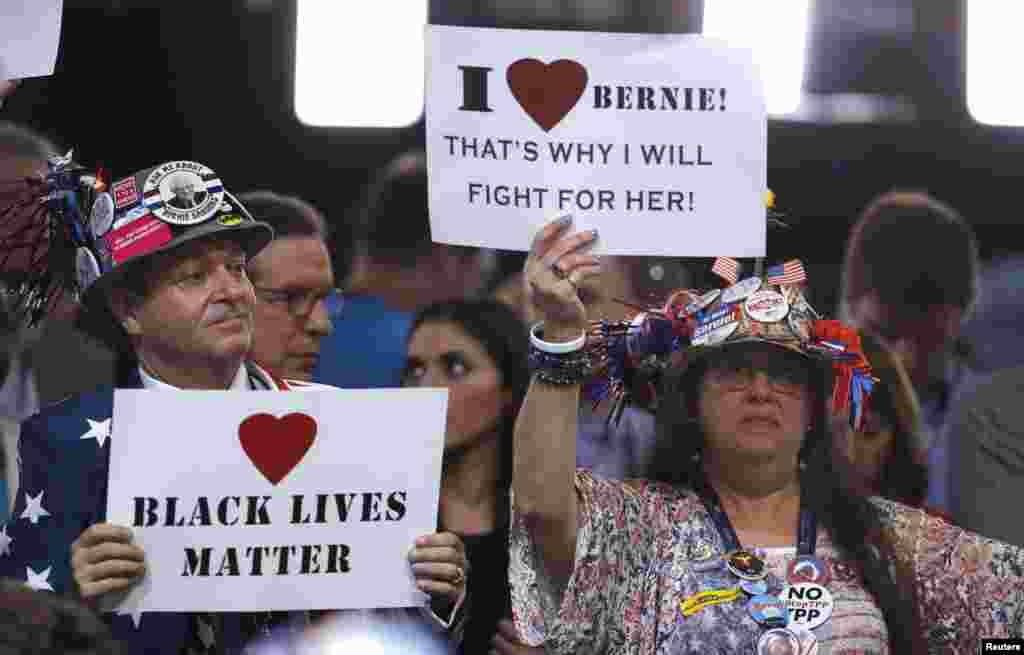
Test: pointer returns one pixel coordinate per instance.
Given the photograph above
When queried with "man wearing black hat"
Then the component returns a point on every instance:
(167, 289)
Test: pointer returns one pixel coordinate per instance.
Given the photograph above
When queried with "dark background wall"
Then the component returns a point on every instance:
(138, 83)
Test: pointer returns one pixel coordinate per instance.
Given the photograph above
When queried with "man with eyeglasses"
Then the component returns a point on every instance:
(294, 282)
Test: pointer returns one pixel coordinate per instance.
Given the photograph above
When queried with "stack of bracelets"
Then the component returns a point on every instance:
(558, 363)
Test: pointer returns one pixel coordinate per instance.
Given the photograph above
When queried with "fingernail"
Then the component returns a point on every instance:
(421, 541)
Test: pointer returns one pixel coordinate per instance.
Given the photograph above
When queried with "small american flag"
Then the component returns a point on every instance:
(792, 272)
(727, 268)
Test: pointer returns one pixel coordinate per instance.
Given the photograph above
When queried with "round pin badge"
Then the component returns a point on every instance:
(102, 216)
(746, 565)
(675, 306)
(808, 569)
(741, 290)
(808, 604)
(768, 610)
(778, 641)
(182, 192)
(754, 587)
(766, 306)
(703, 301)
(87, 269)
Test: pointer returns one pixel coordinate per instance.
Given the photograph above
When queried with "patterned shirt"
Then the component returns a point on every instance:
(642, 550)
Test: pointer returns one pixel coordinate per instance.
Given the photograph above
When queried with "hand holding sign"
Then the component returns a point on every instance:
(104, 560)
(440, 566)
(554, 269)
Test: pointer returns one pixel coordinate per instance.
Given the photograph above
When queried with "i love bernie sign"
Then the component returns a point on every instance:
(254, 501)
(658, 141)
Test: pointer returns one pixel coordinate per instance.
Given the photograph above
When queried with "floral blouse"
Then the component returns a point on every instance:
(642, 550)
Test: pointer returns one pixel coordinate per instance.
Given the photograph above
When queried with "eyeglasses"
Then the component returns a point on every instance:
(301, 303)
(786, 381)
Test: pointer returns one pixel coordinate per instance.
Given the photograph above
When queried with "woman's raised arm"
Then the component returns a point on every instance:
(545, 434)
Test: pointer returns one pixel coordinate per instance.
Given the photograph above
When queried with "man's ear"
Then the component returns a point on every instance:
(124, 306)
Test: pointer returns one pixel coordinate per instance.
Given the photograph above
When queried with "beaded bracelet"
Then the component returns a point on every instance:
(568, 369)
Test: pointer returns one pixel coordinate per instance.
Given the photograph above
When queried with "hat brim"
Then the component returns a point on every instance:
(794, 347)
(694, 354)
(252, 236)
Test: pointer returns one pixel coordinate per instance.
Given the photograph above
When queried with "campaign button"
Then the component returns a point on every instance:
(768, 610)
(741, 290)
(126, 193)
(754, 587)
(707, 598)
(702, 301)
(87, 269)
(717, 326)
(767, 306)
(778, 641)
(808, 604)
(746, 565)
(102, 216)
(808, 569)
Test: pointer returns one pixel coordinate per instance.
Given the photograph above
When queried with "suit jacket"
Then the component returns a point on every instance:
(65, 455)
(987, 439)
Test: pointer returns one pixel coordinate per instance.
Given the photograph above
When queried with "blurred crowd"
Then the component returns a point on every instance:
(367, 300)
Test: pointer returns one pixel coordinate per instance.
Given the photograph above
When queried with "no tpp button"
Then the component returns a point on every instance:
(809, 605)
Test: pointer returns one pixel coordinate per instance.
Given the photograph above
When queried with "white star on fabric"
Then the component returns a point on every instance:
(5, 542)
(134, 612)
(133, 602)
(39, 581)
(98, 430)
(34, 509)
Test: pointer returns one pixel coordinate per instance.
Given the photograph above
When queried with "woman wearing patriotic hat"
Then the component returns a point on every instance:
(748, 540)
(164, 283)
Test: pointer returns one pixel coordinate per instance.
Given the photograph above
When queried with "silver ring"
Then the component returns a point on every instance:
(459, 578)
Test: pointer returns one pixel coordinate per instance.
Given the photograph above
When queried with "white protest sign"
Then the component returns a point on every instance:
(253, 501)
(29, 36)
(659, 141)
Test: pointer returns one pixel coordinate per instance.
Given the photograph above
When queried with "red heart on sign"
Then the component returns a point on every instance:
(276, 445)
(547, 91)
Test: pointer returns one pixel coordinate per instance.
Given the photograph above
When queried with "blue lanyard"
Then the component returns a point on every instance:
(807, 528)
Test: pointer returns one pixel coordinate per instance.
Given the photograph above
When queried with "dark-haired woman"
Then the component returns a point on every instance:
(478, 351)
(752, 543)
